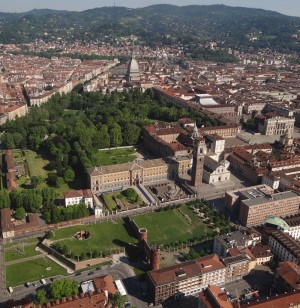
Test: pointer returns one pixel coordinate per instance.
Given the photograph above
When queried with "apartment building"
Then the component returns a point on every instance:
(213, 297)
(236, 239)
(284, 247)
(257, 205)
(187, 278)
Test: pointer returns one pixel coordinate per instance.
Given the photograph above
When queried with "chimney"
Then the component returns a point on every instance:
(63, 300)
(57, 302)
(48, 304)
(81, 295)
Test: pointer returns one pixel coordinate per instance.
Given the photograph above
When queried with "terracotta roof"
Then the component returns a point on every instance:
(185, 270)
(104, 283)
(288, 300)
(290, 273)
(214, 297)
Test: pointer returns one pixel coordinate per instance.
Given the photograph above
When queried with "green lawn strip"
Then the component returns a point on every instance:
(116, 156)
(17, 254)
(104, 236)
(29, 271)
(110, 203)
(36, 164)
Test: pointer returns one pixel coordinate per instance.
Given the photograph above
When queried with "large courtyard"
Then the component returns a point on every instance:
(168, 227)
(165, 227)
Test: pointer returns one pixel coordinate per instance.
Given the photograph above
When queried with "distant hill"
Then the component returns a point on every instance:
(157, 24)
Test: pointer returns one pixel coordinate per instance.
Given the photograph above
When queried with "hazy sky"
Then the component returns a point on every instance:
(289, 7)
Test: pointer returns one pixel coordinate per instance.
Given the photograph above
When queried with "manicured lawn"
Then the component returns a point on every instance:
(110, 203)
(15, 254)
(36, 164)
(123, 201)
(167, 227)
(20, 273)
(104, 236)
(29, 241)
(116, 156)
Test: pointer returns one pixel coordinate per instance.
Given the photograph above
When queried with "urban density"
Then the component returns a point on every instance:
(139, 174)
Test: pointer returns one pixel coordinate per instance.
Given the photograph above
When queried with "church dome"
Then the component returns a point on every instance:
(133, 66)
(133, 70)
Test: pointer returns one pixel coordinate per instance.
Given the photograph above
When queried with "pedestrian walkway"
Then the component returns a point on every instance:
(68, 269)
(2, 271)
(146, 197)
(24, 259)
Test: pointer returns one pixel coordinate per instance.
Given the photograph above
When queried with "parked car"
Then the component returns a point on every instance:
(28, 284)
(43, 281)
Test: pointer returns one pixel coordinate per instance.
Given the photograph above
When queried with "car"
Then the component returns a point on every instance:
(43, 281)
(10, 290)
(98, 268)
(90, 273)
(28, 284)
(127, 304)
(34, 284)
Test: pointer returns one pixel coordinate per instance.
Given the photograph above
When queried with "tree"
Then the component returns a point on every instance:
(34, 181)
(4, 199)
(20, 213)
(118, 300)
(51, 180)
(131, 194)
(131, 134)
(104, 137)
(69, 175)
(41, 297)
(115, 136)
(63, 288)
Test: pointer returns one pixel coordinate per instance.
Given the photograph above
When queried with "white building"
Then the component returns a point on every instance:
(79, 196)
(215, 172)
(284, 247)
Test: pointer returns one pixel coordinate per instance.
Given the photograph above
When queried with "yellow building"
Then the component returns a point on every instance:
(116, 177)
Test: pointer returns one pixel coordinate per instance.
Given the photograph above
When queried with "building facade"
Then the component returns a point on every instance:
(115, 177)
(284, 247)
(257, 205)
(79, 196)
(184, 279)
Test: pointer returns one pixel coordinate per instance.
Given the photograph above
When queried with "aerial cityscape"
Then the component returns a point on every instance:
(150, 156)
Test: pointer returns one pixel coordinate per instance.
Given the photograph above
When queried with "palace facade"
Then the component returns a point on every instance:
(115, 177)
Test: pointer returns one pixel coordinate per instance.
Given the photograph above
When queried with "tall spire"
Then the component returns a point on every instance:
(195, 132)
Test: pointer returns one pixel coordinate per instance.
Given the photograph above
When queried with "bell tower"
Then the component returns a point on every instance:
(198, 157)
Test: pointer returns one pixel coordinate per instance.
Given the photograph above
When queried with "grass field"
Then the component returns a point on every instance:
(116, 156)
(167, 227)
(36, 167)
(29, 241)
(14, 254)
(110, 203)
(20, 273)
(36, 164)
(104, 236)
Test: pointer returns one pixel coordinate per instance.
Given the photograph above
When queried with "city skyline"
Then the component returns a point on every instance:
(288, 7)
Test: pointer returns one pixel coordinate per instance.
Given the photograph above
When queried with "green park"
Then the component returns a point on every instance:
(166, 227)
(114, 156)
